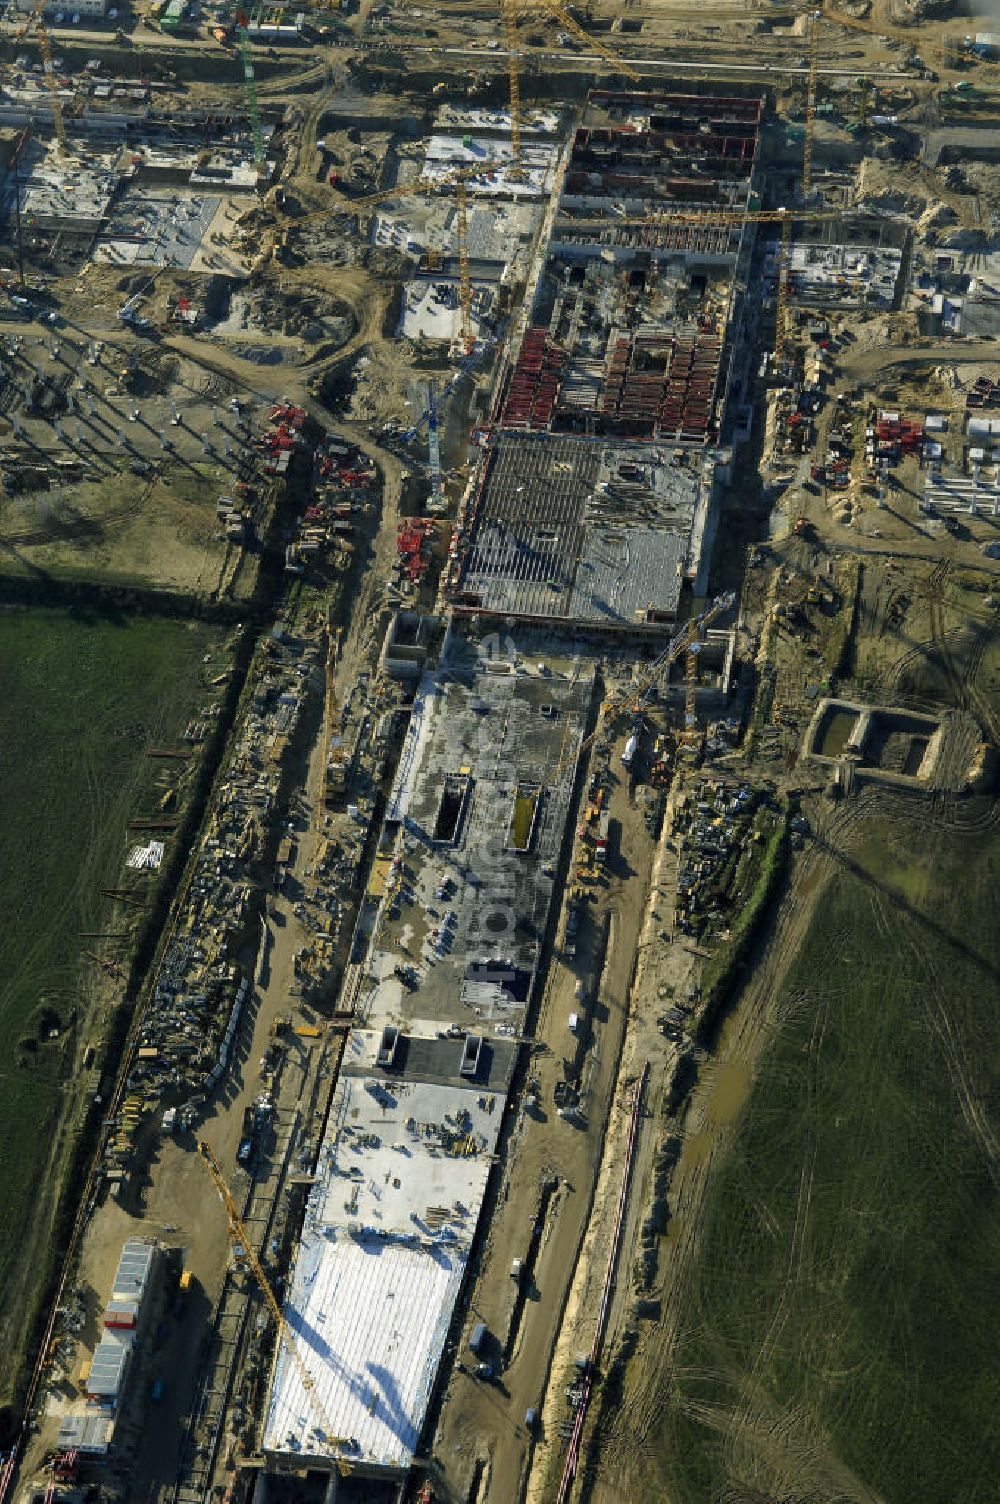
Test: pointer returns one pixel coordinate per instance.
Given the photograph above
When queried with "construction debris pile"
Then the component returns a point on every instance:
(344, 486)
(199, 989)
(718, 825)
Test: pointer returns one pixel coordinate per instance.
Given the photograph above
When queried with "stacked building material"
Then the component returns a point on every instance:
(984, 393)
(412, 542)
(534, 383)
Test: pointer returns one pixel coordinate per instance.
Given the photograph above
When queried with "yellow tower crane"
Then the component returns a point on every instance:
(725, 218)
(736, 220)
(865, 91)
(50, 78)
(781, 291)
(691, 691)
(588, 39)
(508, 10)
(951, 51)
(238, 1236)
(807, 140)
(464, 269)
(52, 84)
(459, 179)
(631, 696)
(329, 700)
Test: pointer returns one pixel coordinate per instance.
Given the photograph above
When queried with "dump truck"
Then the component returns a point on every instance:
(603, 832)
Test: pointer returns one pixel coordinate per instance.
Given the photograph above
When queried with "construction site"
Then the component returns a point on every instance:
(578, 426)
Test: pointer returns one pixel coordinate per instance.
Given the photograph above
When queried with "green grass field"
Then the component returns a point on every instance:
(81, 697)
(839, 1328)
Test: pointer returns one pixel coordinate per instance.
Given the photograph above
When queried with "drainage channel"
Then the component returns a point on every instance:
(527, 1275)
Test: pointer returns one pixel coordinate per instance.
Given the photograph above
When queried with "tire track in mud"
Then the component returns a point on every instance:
(933, 1001)
(961, 674)
(748, 1415)
(626, 1442)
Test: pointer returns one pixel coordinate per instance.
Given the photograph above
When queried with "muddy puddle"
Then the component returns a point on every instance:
(729, 1088)
(720, 1097)
(836, 732)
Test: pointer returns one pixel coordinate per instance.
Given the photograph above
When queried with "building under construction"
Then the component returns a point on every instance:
(591, 511)
(593, 506)
(169, 199)
(443, 976)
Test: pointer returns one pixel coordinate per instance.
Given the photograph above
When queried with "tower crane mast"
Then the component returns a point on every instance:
(781, 291)
(732, 218)
(238, 1235)
(52, 84)
(51, 81)
(434, 446)
(634, 693)
(807, 140)
(508, 10)
(250, 89)
(464, 268)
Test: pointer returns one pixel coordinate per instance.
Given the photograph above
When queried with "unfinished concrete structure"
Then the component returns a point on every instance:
(593, 505)
(442, 977)
(591, 532)
(897, 746)
(165, 200)
(387, 1235)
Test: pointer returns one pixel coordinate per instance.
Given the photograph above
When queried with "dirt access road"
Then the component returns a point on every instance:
(658, 963)
(179, 1205)
(859, 363)
(483, 1422)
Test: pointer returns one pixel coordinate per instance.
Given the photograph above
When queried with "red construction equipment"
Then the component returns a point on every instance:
(283, 412)
(905, 433)
(66, 1466)
(411, 541)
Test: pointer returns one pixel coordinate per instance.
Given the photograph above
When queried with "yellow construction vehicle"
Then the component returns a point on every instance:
(240, 1240)
(630, 697)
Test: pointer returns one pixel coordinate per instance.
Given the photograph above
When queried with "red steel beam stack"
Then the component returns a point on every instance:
(410, 545)
(672, 406)
(701, 387)
(534, 382)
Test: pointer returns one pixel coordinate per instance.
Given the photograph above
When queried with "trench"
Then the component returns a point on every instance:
(526, 1283)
